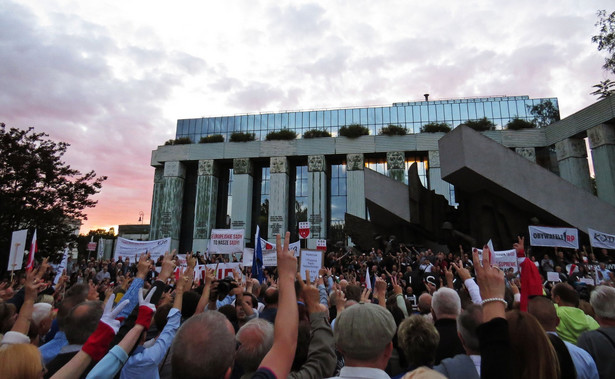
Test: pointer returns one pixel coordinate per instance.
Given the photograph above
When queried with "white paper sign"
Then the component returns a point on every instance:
(587, 281)
(132, 249)
(311, 260)
(18, 245)
(270, 257)
(226, 241)
(553, 277)
(61, 267)
(601, 240)
(554, 237)
(505, 259)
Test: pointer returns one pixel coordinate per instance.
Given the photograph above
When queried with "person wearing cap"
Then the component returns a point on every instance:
(364, 335)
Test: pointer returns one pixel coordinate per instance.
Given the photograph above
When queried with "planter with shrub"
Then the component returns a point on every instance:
(281, 135)
(481, 125)
(353, 131)
(242, 137)
(518, 124)
(436, 127)
(179, 141)
(212, 139)
(393, 130)
(316, 133)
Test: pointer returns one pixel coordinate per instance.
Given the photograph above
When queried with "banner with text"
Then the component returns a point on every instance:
(61, 267)
(132, 249)
(505, 259)
(270, 258)
(554, 237)
(311, 260)
(18, 246)
(226, 241)
(601, 240)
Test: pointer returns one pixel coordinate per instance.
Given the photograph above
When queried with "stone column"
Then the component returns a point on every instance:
(602, 143)
(396, 164)
(528, 153)
(154, 223)
(278, 196)
(206, 203)
(317, 199)
(572, 162)
(435, 176)
(355, 185)
(172, 202)
(243, 183)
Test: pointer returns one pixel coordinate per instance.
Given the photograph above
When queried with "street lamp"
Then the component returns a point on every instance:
(141, 214)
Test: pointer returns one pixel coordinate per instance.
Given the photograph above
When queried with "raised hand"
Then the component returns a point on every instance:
(168, 266)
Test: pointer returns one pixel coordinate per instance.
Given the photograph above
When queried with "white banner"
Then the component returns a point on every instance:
(601, 240)
(101, 248)
(18, 246)
(505, 259)
(224, 270)
(226, 241)
(553, 277)
(60, 269)
(132, 249)
(311, 260)
(270, 257)
(554, 237)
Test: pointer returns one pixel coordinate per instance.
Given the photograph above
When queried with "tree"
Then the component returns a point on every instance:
(40, 191)
(518, 123)
(604, 89)
(606, 41)
(606, 38)
(545, 113)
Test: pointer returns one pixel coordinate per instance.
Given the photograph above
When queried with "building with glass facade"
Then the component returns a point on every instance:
(276, 184)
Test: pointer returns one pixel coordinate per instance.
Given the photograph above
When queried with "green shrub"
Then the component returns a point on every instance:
(179, 141)
(480, 125)
(242, 137)
(436, 127)
(518, 124)
(354, 131)
(212, 139)
(316, 133)
(284, 135)
(393, 130)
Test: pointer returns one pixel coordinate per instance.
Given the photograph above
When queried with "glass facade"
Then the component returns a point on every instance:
(411, 115)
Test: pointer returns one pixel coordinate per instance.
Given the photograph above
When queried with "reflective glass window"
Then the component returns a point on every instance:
(327, 118)
(512, 109)
(356, 116)
(277, 122)
(284, 121)
(439, 113)
(463, 107)
(386, 116)
(472, 111)
(448, 112)
(305, 119)
(424, 113)
(503, 109)
(341, 114)
(320, 119)
(480, 110)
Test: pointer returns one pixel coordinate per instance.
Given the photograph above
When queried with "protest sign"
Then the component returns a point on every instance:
(270, 258)
(311, 260)
(132, 249)
(553, 277)
(226, 241)
(61, 267)
(505, 259)
(18, 246)
(554, 237)
(588, 281)
(601, 240)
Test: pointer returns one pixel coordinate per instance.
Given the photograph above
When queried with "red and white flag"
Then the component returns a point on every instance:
(33, 250)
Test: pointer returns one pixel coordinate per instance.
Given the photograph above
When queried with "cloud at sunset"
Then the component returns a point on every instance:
(112, 78)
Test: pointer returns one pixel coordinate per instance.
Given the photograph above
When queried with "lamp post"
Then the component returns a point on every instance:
(141, 214)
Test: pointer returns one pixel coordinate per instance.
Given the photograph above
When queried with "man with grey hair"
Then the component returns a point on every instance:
(445, 308)
(364, 335)
(465, 365)
(254, 340)
(600, 343)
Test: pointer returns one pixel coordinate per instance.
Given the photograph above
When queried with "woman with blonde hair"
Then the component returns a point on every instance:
(532, 352)
(21, 361)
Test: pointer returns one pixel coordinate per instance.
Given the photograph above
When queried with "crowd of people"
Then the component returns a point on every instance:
(393, 312)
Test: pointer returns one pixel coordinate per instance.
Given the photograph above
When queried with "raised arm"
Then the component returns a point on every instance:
(280, 358)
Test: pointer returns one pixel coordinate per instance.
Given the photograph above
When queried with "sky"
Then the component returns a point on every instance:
(112, 78)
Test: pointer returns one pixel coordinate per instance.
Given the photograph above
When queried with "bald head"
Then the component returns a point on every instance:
(425, 303)
(544, 311)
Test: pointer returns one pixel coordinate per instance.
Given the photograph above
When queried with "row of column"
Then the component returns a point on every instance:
(169, 188)
(574, 167)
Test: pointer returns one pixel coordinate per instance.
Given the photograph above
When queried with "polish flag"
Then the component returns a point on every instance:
(33, 250)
